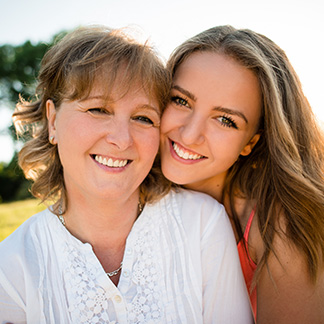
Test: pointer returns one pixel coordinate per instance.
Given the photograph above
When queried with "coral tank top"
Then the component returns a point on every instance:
(247, 264)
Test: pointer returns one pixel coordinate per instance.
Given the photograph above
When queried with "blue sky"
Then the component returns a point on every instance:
(296, 25)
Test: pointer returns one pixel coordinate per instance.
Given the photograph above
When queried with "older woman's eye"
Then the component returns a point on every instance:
(180, 101)
(144, 120)
(98, 111)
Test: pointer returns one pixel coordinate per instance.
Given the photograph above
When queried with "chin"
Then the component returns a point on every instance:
(174, 177)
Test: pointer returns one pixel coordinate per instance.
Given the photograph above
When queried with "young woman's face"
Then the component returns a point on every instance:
(211, 119)
(106, 148)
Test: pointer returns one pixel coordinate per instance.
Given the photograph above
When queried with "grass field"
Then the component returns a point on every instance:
(15, 213)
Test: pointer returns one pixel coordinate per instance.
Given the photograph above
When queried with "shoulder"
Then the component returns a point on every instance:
(25, 240)
(198, 210)
(29, 226)
(285, 287)
(22, 254)
(194, 200)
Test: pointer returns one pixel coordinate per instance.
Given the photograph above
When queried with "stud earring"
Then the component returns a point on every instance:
(51, 140)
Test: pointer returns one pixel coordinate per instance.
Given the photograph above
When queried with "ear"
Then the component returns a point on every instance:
(51, 120)
(249, 146)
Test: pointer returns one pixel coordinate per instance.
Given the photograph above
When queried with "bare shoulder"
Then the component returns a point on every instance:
(284, 289)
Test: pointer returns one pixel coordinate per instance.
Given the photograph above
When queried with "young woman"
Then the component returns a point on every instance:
(239, 128)
(98, 255)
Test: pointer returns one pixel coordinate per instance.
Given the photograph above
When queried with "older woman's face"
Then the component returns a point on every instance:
(106, 148)
(212, 118)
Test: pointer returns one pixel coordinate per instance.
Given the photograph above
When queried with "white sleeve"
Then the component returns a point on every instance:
(11, 304)
(225, 297)
(16, 263)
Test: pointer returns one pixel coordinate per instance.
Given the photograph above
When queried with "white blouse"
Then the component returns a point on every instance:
(180, 266)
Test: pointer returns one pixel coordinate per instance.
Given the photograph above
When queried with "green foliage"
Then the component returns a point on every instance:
(13, 185)
(14, 214)
(19, 66)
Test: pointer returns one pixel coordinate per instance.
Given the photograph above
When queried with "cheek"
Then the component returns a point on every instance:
(149, 143)
(75, 135)
(226, 143)
(168, 120)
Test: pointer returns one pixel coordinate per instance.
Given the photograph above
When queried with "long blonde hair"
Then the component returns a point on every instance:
(284, 173)
(68, 71)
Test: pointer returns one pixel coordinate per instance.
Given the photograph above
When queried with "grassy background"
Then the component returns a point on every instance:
(15, 213)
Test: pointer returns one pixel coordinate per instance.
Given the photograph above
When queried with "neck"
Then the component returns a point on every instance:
(213, 187)
(104, 224)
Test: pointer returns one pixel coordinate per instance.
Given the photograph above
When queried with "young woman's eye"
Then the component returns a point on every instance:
(227, 121)
(180, 101)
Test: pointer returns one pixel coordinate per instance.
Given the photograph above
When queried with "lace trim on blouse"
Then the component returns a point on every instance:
(89, 302)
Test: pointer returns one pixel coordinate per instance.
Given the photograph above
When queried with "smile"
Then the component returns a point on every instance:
(110, 162)
(185, 154)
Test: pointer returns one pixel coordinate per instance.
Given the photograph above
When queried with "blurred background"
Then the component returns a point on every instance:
(27, 28)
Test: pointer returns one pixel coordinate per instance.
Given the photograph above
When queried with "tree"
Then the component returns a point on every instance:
(18, 69)
(13, 185)
(19, 66)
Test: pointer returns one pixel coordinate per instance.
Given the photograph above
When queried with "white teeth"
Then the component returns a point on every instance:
(186, 155)
(110, 162)
(180, 153)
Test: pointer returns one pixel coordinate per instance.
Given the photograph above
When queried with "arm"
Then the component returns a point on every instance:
(225, 298)
(12, 278)
(289, 297)
(11, 305)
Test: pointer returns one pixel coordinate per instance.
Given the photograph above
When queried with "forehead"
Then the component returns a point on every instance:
(111, 80)
(118, 87)
(214, 66)
(134, 94)
(219, 80)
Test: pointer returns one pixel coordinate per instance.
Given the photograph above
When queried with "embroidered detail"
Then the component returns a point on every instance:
(88, 302)
(147, 303)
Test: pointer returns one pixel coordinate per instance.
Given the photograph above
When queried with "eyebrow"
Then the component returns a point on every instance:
(138, 107)
(185, 92)
(100, 97)
(148, 107)
(218, 108)
(232, 112)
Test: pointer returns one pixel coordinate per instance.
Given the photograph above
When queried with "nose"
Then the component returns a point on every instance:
(119, 134)
(192, 131)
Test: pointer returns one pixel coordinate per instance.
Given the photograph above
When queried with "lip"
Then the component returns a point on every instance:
(109, 163)
(190, 152)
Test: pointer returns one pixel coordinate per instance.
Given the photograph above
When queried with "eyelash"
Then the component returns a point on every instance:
(227, 121)
(144, 120)
(141, 119)
(95, 111)
(180, 101)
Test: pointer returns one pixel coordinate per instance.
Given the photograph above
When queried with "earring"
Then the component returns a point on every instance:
(51, 140)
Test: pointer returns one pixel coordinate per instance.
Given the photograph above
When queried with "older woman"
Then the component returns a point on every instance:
(116, 246)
